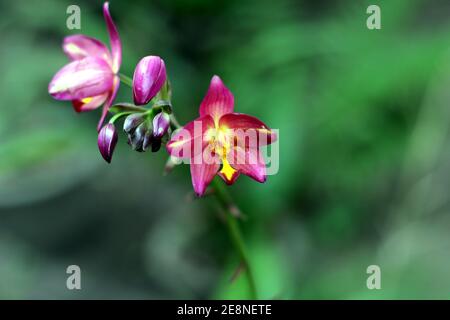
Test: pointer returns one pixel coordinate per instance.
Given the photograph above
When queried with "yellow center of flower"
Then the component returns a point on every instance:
(219, 141)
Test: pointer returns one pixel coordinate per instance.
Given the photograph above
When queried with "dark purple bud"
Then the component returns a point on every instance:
(107, 140)
(161, 124)
(148, 138)
(137, 138)
(148, 79)
(132, 122)
(156, 145)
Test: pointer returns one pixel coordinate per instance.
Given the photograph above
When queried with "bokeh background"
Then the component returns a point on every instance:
(364, 176)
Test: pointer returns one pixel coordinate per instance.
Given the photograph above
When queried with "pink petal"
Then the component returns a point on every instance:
(88, 104)
(80, 79)
(116, 46)
(248, 130)
(190, 140)
(79, 46)
(218, 100)
(202, 175)
(249, 162)
(109, 101)
(148, 79)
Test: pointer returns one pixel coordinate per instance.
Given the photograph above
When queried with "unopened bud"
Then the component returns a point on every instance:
(161, 124)
(156, 145)
(148, 139)
(132, 122)
(107, 140)
(137, 138)
(148, 79)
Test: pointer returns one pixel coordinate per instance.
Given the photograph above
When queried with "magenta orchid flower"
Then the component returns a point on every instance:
(216, 142)
(91, 78)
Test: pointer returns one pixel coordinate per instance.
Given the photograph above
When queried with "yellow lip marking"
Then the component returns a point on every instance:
(227, 170)
(86, 100)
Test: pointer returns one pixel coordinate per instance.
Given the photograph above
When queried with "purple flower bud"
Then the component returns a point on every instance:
(148, 79)
(107, 140)
(156, 145)
(148, 138)
(161, 124)
(137, 138)
(132, 122)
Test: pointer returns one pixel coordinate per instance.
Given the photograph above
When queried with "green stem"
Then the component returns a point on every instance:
(117, 116)
(227, 204)
(126, 80)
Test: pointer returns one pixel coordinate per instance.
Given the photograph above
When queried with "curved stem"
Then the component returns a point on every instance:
(126, 80)
(227, 204)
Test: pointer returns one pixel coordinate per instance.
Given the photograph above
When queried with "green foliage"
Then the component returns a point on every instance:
(364, 168)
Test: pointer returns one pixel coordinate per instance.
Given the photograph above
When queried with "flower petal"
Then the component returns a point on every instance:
(249, 162)
(248, 130)
(202, 175)
(79, 46)
(90, 103)
(80, 79)
(190, 140)
(116, 46)
(148, 79)
(218, 100)
(109, 101)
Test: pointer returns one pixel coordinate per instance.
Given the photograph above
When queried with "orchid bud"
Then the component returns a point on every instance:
(156, 145)
(107, 140)
(148, 138)
(161, 124)
(148, 79)
(137, 138)
(132, 122)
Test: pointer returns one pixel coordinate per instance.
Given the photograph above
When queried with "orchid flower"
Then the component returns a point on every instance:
(91, 78)
(216, 142)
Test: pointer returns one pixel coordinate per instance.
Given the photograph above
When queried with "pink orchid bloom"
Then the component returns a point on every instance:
(216, 142)
(91, 78)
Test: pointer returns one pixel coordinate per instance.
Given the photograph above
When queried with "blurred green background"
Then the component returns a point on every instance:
(364, 178)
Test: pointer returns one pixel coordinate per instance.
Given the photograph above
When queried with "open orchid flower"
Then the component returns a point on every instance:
(221, 142)
(91, 78)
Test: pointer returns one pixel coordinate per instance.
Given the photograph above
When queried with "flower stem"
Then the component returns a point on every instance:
(227, 204)
(126, 80)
